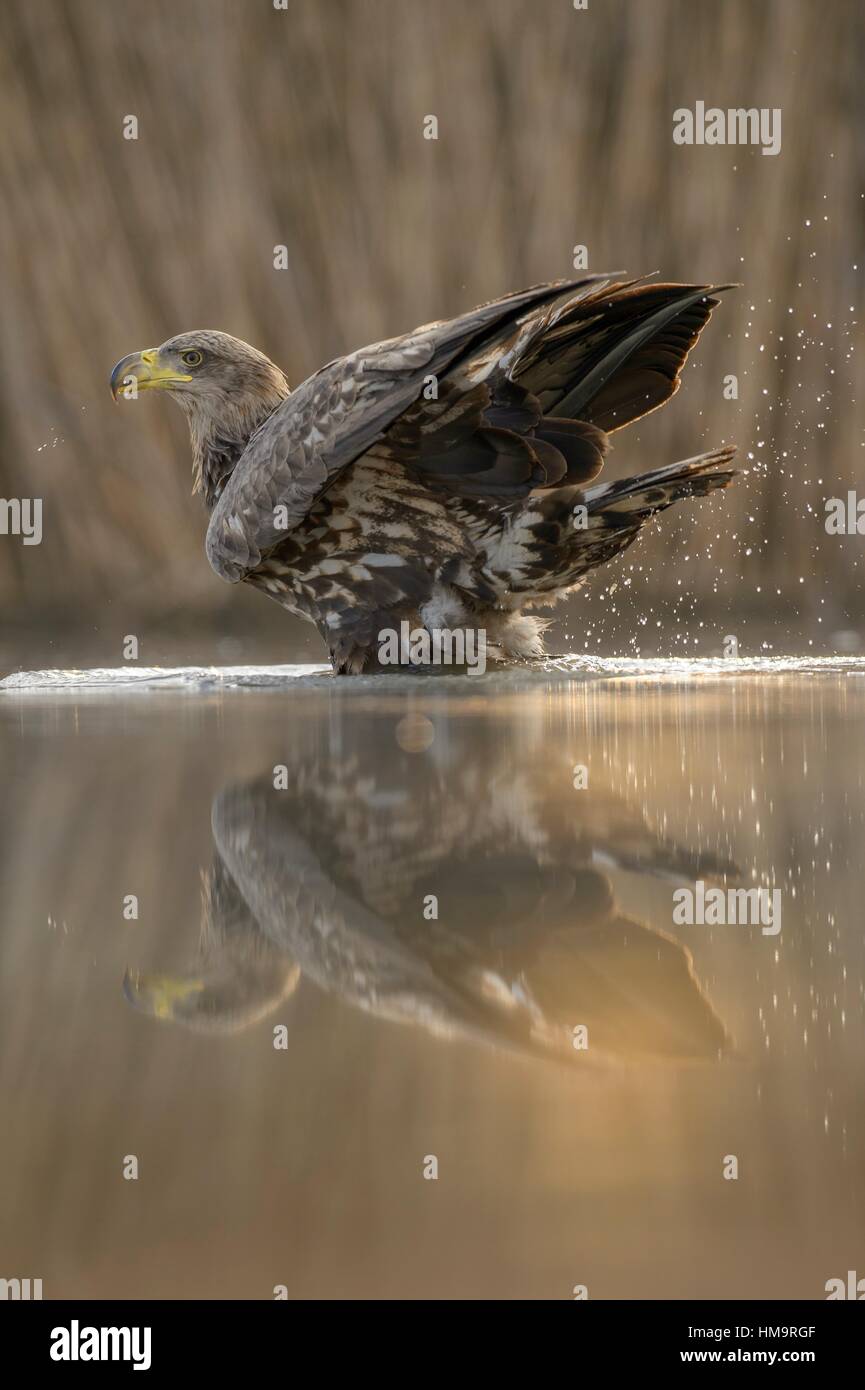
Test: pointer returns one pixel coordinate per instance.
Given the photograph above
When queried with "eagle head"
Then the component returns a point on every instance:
(225, 387)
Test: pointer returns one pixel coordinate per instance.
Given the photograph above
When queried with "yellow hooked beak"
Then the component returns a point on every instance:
(143, 371)
(159, 995)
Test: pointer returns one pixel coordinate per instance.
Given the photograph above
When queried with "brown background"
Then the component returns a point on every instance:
(260, 127)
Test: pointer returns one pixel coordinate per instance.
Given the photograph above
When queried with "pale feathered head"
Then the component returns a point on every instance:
(226, 387)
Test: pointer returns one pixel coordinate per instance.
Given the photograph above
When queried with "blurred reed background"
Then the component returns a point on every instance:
(304, 127)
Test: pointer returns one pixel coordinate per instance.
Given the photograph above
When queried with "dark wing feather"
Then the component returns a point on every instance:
(334, 417)
(617, 354)
(598, 360)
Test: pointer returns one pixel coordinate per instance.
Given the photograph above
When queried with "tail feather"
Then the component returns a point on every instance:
(640, 497)
(547, 547)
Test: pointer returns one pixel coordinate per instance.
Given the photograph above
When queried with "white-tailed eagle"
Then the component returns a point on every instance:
(444, 478)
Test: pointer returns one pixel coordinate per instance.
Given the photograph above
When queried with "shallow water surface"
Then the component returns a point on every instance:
(287, 939)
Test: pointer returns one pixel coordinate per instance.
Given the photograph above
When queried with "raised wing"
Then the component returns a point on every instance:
(564, 376)
(336, 415)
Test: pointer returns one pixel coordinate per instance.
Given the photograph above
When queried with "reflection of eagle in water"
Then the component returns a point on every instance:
(333, 878)
(440, 478)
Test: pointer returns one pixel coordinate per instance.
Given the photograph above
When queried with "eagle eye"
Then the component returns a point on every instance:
(192, 358)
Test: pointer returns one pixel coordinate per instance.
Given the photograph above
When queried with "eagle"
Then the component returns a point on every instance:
(323, 882)
(445, 478)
